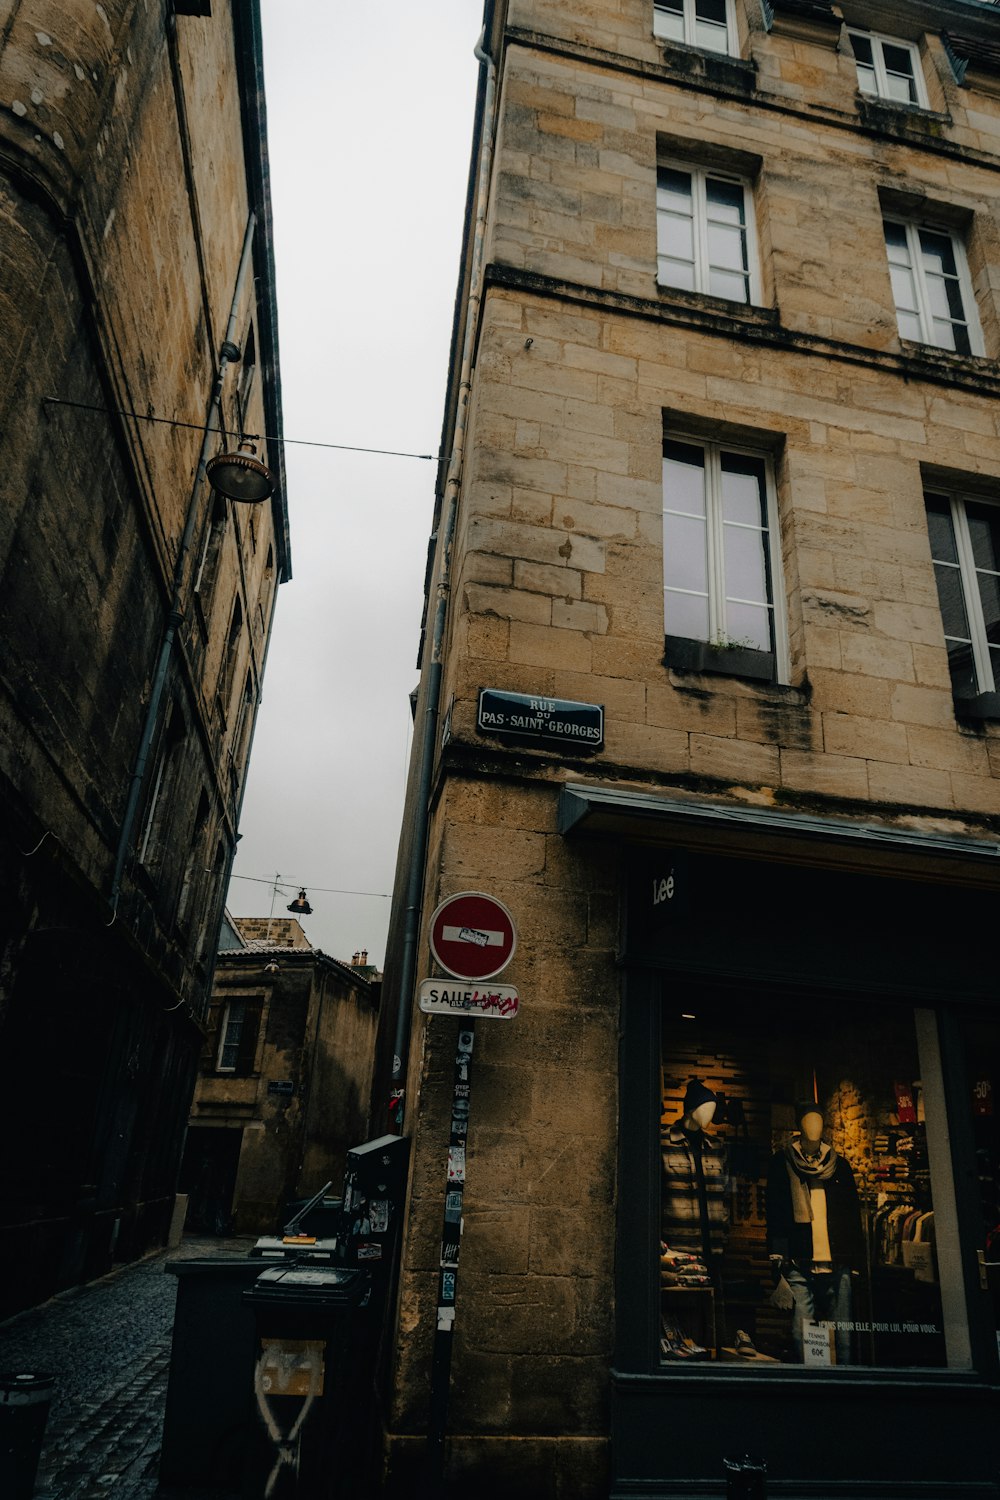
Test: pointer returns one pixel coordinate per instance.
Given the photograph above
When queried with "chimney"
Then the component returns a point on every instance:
(364, 958)
(355, 960)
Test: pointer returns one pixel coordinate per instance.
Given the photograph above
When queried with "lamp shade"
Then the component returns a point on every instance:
(241, 476)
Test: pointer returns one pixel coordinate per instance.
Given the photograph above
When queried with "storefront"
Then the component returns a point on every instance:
(808, 1184)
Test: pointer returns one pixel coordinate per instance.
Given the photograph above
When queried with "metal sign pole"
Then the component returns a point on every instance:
(450, 1245)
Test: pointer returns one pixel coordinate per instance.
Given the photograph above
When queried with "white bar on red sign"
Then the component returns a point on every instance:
(472, 935)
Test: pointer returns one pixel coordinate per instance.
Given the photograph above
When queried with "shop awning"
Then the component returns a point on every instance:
(755, 831)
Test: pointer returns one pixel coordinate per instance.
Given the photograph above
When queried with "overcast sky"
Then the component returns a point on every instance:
(370, 126)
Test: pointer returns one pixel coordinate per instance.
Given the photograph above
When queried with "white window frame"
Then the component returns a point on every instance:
(220, 1066)
(717, 633)
(912, 228)
(690, 17)
(968, 571)
(700, 177)
(878, 41)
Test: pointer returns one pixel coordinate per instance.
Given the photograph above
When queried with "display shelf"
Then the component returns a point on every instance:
(692, 1310)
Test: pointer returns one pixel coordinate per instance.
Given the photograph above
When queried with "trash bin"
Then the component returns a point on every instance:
(209, 1415)
(24, 1408)
(304, 1317)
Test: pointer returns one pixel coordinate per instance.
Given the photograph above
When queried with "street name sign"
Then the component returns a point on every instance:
(473, 935)
(540, 720)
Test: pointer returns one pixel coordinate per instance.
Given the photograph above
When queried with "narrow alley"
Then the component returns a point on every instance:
(108, 1346)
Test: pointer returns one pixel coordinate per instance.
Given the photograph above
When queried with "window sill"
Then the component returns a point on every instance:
(742, 312)
(982, 707)
(904, 121)
(930, 357)
(684, 655)
(731, 73)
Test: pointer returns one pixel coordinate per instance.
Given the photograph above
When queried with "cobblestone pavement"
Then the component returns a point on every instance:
(108, 1346)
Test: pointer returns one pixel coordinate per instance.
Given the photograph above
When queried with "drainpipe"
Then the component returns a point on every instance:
(432, 695)
(228, 354)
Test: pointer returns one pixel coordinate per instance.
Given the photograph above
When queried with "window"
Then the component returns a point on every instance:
(931, 287)
(229, 660)
(231, 1035)
(982, 1072)
(244, 385)
(888, 68)
(965, 547)
(805, 1214)
(708, 24)
(238, 1035)
(720, 550)
(194, 867)
(704, 233)
(160, 807)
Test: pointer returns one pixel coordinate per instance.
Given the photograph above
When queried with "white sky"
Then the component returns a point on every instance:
(370, 129)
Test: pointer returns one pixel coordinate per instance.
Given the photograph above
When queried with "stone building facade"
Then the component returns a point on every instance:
(284, 1079)
(136, 603)
(724, 469)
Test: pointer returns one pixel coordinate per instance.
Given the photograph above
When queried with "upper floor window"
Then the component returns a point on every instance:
(721, 557)
(888, 68)
(704, 233)
(238, 1036)
(965, 547)
(931, 287)
(709, 24)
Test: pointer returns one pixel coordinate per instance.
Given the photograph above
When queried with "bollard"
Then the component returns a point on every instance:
(746, 1478)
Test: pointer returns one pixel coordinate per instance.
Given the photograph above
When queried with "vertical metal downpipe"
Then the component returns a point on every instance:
(227, 354)
(432, 695)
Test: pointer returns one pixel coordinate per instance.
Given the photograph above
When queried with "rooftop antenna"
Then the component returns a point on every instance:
(270, 915)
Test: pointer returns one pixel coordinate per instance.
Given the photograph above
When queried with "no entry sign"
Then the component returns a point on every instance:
(473, 936)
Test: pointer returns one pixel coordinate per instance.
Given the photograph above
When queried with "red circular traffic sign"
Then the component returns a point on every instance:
(473, 936)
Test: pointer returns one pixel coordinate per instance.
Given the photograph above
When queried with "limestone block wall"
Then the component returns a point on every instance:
(533, 1333)
(123, 212)
(561, 555)
(575, 193)
(583, 361)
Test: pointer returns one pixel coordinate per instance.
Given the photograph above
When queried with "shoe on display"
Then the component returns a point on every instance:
(671, 1344)
(745, 1345)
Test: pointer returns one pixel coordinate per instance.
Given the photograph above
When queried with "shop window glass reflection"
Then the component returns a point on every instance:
(983, 1082)
(798, 1217)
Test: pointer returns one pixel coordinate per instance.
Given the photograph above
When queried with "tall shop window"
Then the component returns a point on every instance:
(804, 1220)
(721, 557)
(708, 24)
(888, 68)
(965, 546)
(931, 287)
(982, 1069)
(704, 233)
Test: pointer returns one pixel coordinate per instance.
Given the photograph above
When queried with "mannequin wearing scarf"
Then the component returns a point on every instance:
(814, 1229)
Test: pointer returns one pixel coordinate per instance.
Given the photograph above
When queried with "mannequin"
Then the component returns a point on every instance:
(695, 1209)
(814, 1230)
